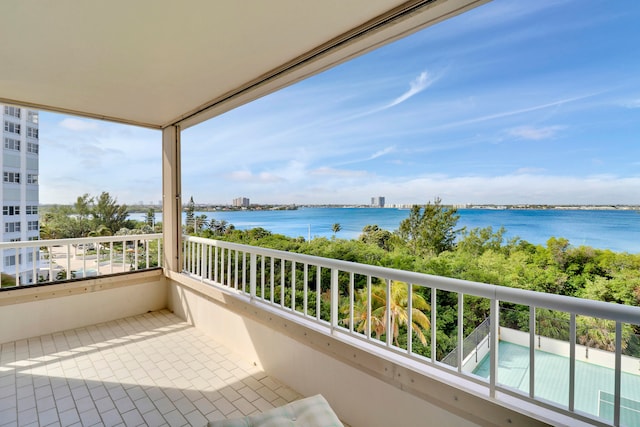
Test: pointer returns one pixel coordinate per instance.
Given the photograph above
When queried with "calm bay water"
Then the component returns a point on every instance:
(617, 230)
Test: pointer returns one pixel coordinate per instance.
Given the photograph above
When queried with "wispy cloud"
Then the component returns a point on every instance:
(632, 103)
(327, 171)
(515, 112)
(530, 171)
(417, 85)
(373, 156)
(248, 176)
(382, 152)
(534, 133)
(420, 83)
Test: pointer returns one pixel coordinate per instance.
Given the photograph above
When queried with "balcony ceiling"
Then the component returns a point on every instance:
(156, 63)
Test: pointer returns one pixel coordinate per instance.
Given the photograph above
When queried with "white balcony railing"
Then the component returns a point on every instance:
(46, 261)
(344, 298)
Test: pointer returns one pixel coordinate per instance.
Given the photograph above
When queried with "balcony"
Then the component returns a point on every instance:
(151, 369)
(224, 338)
(113, 330)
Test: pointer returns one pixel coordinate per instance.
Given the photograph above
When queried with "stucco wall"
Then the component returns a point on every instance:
(363, 388)
(35, 311)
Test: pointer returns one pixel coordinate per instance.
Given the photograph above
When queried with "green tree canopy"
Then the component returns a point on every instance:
(106, 211)
(374, 235)
(430, 230)
(190, 216)
(88, 216)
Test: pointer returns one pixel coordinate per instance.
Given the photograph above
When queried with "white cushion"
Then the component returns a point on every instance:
(310, 412)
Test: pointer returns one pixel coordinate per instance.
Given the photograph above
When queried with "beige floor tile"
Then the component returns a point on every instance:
(152, 369)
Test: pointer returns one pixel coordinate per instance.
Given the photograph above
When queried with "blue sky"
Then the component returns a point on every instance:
(513, 102)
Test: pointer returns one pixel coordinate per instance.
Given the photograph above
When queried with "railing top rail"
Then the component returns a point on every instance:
(97, 239)
(598, 309)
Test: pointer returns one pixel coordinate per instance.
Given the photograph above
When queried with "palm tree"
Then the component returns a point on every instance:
(361, 311)
(102, 230)
(398, 313)
(335, 228)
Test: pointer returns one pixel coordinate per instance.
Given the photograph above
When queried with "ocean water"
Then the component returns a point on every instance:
(618, 230)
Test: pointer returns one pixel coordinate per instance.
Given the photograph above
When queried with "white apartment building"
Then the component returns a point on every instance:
(241, 202)
(377, 202)
(19, 190)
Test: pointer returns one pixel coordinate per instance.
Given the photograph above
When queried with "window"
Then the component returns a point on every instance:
(34, 238)
(31, 210)
(32, 116)
(32, 225)
(12, 127)
(12, 111)
(32, 178)
(32, 132)
(12, 144)
(32, 147)
(17, 239)
(12, 227)
(11, 260)
(11, 210)
(12, 177)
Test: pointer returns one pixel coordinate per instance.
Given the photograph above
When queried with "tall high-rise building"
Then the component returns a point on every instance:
(241, 202)
(19, 190)
(377, 202)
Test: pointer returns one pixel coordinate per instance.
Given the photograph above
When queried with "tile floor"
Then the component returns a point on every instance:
(151, 369)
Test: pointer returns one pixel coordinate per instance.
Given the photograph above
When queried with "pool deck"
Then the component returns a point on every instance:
(552, 381)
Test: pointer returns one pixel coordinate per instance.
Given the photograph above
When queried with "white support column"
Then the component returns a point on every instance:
(171, 198)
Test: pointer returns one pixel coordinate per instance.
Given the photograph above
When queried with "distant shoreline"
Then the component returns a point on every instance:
(225, 208)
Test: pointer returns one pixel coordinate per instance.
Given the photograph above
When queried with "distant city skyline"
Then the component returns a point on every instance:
(511, 103)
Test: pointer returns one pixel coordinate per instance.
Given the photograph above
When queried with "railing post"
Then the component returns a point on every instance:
(334, 298)
(253, 274)
(282, 281)
(368, 307)
(572, 361)
(18, 253)
(305, 290)
(68, 262)
(434, 309)
(410, 318)
(494, 314)
(203, 262)
(617, 375)
(460, 349)
(293, 286)
(318, 291)
(532, 349)
(387, 319)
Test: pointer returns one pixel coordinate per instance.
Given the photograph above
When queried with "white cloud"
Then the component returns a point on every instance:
(534, 133)
(633, 103)
(248, 176)
(373, 156)
(341, 173)
(79, 125)
(382, 152)
(529, 170)
(504, 189)
(419, 84)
